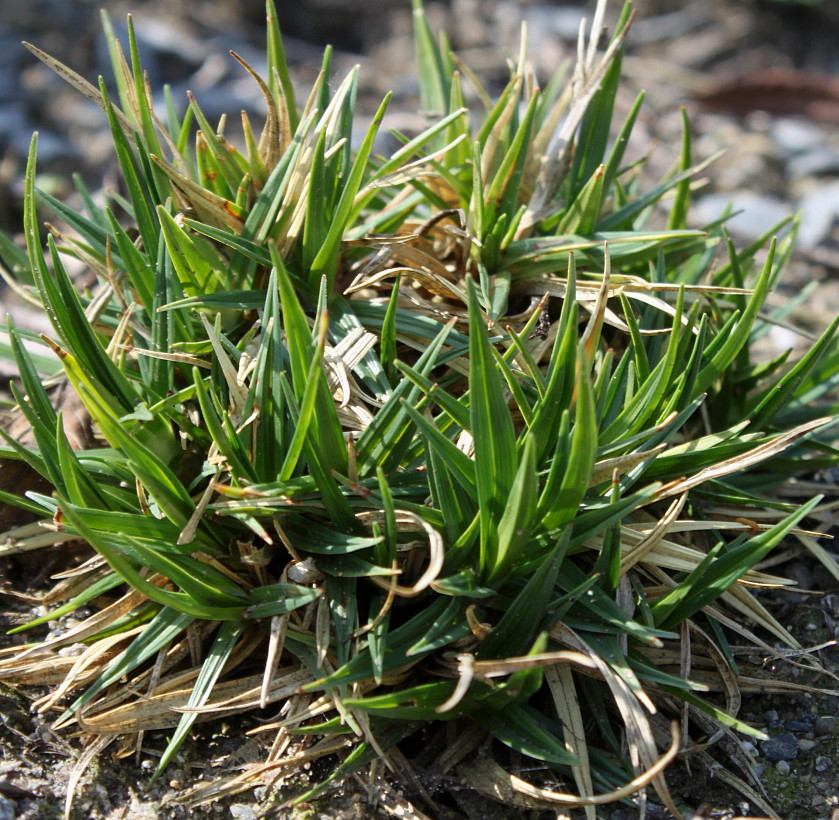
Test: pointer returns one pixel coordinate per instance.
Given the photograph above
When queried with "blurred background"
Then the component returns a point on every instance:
(760, 79)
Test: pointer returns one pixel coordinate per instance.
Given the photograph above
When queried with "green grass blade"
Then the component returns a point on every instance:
(720, 569)
(496, 459)
(221, 650)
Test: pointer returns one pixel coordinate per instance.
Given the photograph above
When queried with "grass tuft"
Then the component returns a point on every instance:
(472, 434)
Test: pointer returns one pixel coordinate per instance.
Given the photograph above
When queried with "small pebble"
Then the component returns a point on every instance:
(750, 749)
(782, 767)
(802, 724)
(772, 718)
(806, 745)
(8, 808)
(821, 160)
(72, 650)
(756, 214)
(796, 135)
(781, 747)
(819, 208)
(822, 763)
(826, 725)
(240, 811)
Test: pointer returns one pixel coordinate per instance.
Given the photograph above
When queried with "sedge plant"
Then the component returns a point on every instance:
(467, 435)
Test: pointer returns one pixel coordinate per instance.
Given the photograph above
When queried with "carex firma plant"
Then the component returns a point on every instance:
(468, 433)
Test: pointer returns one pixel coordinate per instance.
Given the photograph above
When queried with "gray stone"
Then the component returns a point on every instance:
(750, 749)
(755, 214)
(822, 763)
(241, 811)
(806, 745)
(781, 747)
(802, 724)
(782, 767)
(793, 135)
(772, 718)
(826, 725)
(8, 808)
(818, 161)
(818, 212)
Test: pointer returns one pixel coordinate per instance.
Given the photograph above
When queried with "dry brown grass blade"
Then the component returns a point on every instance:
(80, 84)
(639, 733)
(210, 208)
(133, 102)
(718, 614)
(758, 685)
(733, 699)
(49, 671)
(31, 537)
(270, 141)
(433, 282)
(740, 599)
(748, 792)
(553, 170)
(462, 739)
(85, 759)
(163, 710)
(86, 668)
(412, 170)
(488, 777)
(89, 626)
(671, 555)
(603, 470)
(276, 641)
(591, 335)
(261, 773)
(466, 669)
(436, 557)
(495, 135)
(560, 680)
(741, 462)
(654, 538)
(819, 552)
(740, 524)
(93, 568)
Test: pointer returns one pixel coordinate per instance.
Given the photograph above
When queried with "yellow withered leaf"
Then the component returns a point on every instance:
(210, 208)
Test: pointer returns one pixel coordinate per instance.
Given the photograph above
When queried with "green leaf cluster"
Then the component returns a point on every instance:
(434, 430)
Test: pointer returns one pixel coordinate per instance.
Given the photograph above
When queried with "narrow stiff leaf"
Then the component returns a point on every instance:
(492, 429)
(719, 570)
(218, 655)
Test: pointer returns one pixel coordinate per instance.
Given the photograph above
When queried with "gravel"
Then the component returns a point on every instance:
(826, 725)
(781, 747)
(8, 809)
